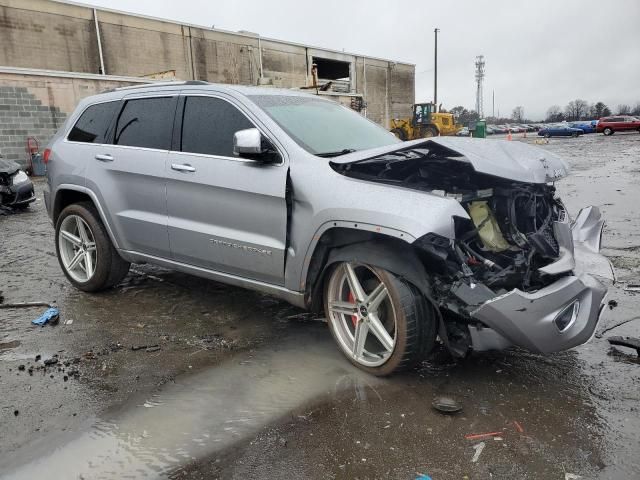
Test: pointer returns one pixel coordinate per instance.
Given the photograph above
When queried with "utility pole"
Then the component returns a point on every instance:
(493, 103)
(435, 70)
(479, 80)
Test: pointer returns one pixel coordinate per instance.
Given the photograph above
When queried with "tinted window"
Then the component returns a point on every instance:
(208, 126)
(92, 125)
(146, 122)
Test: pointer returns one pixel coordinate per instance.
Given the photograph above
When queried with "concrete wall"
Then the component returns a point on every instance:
(38, 105)
(48, 35)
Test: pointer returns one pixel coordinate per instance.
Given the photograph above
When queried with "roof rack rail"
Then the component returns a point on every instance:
(163, 84)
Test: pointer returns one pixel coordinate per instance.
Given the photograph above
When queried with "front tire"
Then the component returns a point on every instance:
(608, 131)
(85, 252)
(398, 132)
(430, 132)
(381, 323)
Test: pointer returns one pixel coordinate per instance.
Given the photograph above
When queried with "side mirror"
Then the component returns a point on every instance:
(251, 144)
(247, 142)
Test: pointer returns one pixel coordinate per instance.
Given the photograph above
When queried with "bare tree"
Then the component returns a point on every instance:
(636, 109)
(554, 114)
(576, 109)
(518, 114)
(599, 110)
(624, 109)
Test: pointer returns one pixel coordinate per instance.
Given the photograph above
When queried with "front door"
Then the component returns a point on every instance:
(225, 213)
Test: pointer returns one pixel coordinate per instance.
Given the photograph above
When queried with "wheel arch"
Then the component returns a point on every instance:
(380, 250)
(66, 195)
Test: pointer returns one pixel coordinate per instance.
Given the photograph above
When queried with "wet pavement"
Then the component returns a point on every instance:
(174, 376)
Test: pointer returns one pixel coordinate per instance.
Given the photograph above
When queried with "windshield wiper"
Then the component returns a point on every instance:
(335, 154)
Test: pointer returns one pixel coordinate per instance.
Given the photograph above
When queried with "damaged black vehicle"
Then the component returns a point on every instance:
(16, 190)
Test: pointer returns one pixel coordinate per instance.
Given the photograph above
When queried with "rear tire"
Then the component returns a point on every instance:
(104, 268)
(403, 312)
(430, 132)
(608, 131)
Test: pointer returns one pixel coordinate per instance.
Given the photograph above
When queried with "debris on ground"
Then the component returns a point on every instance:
(422, 476)
(478, 436)
(478, 450)
(51, 361)
(24, 305)
(153, 348)
(148, 348)
(632, 288)
(518, 426)
(612, 304)
(571, 476)
(630, 342)
(446, 405)
(51, 315)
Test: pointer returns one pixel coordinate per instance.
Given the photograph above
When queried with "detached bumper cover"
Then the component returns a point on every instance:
(528, 319)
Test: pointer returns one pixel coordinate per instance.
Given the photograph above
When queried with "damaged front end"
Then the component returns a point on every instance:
(16, 190)
(516, 270)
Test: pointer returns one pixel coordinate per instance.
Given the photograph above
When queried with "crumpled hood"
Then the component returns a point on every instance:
(8, 166)
(501, 158)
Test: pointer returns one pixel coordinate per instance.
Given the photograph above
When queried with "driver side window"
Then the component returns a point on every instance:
(208, 125)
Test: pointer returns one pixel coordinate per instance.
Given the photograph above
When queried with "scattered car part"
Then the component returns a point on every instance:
(630, 342)
(16, 190)
(446, 405)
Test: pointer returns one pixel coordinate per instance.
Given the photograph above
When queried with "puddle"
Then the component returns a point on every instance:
(198, 414)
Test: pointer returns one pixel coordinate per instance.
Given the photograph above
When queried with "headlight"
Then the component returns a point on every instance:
(19, 177)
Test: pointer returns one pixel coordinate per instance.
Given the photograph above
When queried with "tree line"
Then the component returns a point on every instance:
(574, 110)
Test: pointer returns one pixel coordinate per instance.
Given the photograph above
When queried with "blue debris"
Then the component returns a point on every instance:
(422, 476)
(51, 315)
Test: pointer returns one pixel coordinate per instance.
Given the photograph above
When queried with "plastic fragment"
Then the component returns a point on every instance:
(518, 426)
(422, 476)
(478, 448)
(50, 315)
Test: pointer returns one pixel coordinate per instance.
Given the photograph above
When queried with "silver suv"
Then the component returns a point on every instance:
(299, 197)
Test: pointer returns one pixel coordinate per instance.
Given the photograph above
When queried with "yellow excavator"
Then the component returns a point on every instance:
(425, 121)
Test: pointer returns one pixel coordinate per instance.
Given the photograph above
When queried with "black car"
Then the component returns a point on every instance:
(16, 190)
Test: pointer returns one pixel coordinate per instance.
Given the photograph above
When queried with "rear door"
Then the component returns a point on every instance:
(225, 213)
(129, 173)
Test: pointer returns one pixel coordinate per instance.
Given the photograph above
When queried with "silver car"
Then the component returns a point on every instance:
(299, 197)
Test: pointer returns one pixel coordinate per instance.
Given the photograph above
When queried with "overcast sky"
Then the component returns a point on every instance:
(537, 52)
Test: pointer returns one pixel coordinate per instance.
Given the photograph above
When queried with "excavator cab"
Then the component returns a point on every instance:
(422, 114)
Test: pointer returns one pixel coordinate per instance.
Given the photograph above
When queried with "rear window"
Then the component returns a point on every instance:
(208, 125)
(146, 123)
(92, 125)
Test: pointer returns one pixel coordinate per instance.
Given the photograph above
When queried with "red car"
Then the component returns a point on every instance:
(620, 123)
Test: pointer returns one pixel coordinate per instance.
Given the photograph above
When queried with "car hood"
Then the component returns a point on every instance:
(501, 158)
(8, 166)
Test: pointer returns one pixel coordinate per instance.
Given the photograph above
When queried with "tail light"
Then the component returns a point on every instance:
(46, 155)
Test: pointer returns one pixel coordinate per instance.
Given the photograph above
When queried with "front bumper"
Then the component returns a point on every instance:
(529, 319)
(17, 195)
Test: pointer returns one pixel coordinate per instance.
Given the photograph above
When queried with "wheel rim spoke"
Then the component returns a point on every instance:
(88, 263)
(75, 260)
(354, 283)
(376, 297)
(360, 337)
(377, 328)
(91, 247)
(70, 237)
(345, 308)
(82, 230)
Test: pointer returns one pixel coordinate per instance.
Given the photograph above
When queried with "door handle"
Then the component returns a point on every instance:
(182, 167)
(104, 157)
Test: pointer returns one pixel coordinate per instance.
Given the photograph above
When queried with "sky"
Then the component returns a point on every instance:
(538, 53)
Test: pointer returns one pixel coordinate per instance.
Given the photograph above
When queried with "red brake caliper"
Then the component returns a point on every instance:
(352, 299)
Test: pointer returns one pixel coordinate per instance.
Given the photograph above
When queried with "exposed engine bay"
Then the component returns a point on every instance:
(509, 234)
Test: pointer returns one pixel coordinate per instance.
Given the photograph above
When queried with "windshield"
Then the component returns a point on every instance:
(323, 127)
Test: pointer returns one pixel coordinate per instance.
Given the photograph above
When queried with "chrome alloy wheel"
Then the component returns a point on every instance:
(77, 248)
(361, 314)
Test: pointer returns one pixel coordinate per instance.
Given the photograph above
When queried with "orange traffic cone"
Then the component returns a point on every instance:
(509, 136)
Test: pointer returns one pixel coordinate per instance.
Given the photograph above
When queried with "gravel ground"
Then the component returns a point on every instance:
(173, 376)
